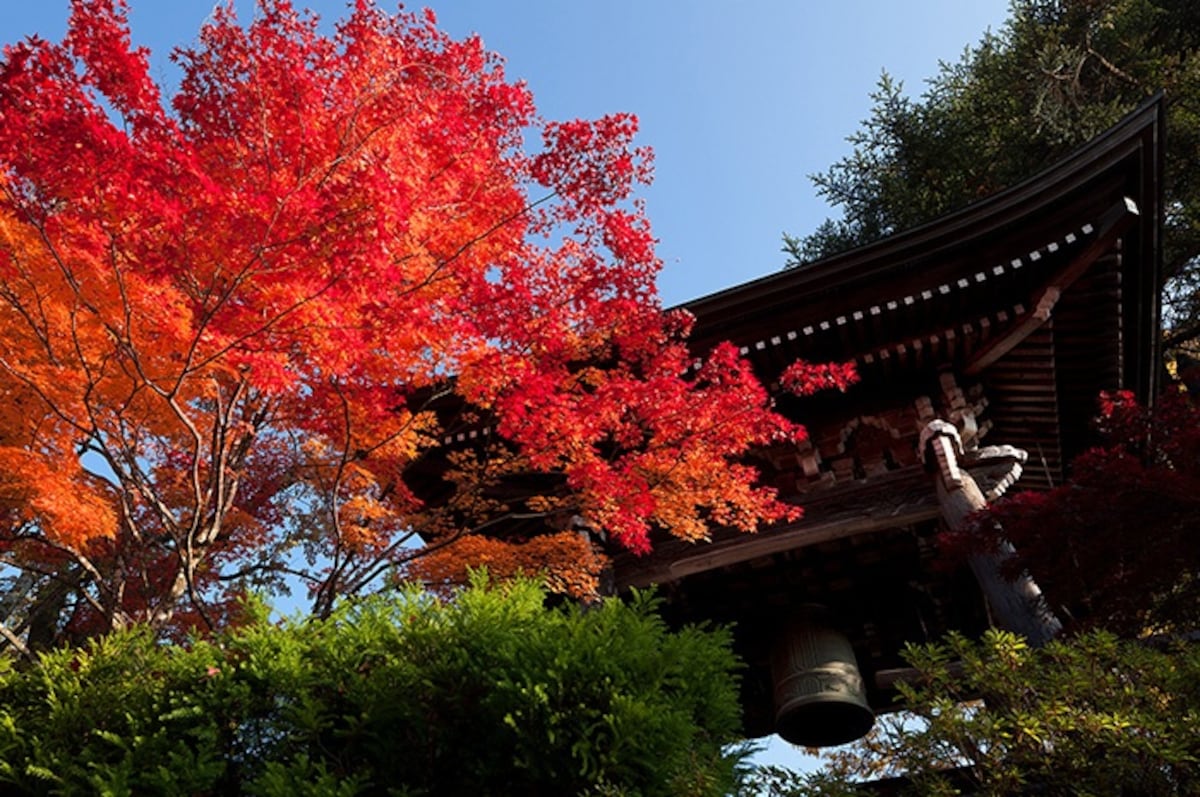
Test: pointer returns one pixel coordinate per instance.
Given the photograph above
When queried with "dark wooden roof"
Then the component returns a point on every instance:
(1025, 306)
(968, 266)
(1038, 297)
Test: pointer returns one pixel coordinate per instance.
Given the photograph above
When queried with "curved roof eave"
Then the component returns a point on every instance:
(1125, 160)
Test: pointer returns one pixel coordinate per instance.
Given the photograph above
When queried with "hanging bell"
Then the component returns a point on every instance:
(820, 699)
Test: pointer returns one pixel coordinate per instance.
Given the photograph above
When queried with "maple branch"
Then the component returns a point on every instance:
(321, 603)
(382, 559)
(42, 336)
(444, 542)
(132, 474)
(381, 562)
(126, 306)
(375, 89)
(124, 497)
(75, 582)
(16, 642)
(266, 567)
(229, 291)
(94, 431)
(487, 233)
(41, 331)
(275, 320)
(219, 353)
(265, 246)
(129, 471)
(67, 275)
(221, 491)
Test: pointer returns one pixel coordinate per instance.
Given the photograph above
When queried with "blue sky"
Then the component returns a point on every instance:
(739, 101)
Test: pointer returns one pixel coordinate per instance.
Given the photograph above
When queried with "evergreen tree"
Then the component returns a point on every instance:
(1058, 73)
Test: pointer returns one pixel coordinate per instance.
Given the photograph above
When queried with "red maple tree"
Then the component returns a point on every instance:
(1115, 546)
(243, 332)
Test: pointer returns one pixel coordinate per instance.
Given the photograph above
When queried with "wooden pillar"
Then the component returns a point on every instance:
(1017, 605)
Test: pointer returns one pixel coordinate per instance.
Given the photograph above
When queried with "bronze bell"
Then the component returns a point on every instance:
(820, 699)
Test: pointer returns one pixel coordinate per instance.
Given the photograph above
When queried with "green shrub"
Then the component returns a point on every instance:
(489, 693)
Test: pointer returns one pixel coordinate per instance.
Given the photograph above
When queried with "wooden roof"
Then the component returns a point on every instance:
(1037, 299)
(1104, 198)
(1022, 307)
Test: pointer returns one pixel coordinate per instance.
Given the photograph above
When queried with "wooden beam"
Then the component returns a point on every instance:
(899, 498)
(767, 543)
(1115, 221)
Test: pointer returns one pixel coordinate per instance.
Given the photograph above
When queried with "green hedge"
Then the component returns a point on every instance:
(491, 693)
